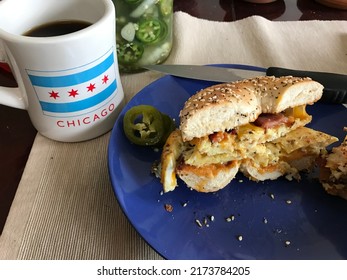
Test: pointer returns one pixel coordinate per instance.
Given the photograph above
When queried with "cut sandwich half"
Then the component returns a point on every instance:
(256, 126)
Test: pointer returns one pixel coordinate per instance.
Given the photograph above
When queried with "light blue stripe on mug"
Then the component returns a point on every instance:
(79, 105)
(73, 79)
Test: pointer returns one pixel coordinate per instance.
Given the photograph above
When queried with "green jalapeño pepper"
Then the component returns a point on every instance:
(129, 53)
(166, 7)
(143, 125)
(144, 33)
(151, 30)
(146, 126)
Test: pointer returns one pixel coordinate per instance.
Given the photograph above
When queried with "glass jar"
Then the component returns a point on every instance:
(143, 32)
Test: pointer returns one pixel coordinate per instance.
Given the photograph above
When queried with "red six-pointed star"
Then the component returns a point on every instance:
(73, 93)
(91, 87)
(54, 94)
(105, 79)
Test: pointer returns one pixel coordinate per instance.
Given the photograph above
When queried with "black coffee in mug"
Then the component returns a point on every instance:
(57, 28)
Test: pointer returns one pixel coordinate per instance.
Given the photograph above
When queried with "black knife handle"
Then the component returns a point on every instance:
(335, 85)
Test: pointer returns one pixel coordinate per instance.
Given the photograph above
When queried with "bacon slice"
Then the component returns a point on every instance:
(216, 137)
(267, 120)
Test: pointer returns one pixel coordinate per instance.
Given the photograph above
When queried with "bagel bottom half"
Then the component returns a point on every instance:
(209, 178)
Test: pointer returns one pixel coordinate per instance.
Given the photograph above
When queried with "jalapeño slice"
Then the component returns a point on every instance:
(129, 53)
(151, 30)
(143, 125)
(166, 7)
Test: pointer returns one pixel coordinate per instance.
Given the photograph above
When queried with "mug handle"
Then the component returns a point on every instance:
(5, 66)
(11, 96)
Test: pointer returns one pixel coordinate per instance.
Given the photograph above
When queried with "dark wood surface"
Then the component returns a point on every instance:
(17, 134)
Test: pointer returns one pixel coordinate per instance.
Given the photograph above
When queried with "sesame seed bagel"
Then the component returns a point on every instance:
(223, 107)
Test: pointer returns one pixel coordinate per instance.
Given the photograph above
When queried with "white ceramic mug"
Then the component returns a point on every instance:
(69, 84)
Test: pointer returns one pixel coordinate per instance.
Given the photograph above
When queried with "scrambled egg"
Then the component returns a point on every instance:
(306, 139)
(264, 148)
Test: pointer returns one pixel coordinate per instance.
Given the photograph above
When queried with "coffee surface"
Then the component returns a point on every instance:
(57, 28)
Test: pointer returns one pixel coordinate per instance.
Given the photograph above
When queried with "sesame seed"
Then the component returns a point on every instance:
(287, 243)
(239, 238)
(198, 223)
(184, 204)
(230, 218)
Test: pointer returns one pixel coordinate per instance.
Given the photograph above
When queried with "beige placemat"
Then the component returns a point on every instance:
(65, 207)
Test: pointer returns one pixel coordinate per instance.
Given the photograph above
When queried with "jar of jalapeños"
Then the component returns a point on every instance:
(143, 32)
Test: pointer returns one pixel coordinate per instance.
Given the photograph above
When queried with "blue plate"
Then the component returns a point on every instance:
(275, 219)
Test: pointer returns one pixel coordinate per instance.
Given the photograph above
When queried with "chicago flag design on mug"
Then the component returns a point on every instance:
(72, 93)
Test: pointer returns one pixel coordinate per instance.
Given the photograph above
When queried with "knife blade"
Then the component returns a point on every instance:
(335, 85)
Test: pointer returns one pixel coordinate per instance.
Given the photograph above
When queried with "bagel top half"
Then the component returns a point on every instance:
(223, 107)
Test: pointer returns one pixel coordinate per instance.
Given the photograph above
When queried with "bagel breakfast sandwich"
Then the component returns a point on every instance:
(254, 126)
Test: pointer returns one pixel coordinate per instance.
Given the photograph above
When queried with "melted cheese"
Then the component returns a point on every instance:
(297, 112)
(244, 139)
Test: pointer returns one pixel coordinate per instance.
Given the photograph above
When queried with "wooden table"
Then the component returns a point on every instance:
(17, 134)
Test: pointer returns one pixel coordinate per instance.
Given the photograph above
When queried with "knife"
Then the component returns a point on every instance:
(335, 85)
